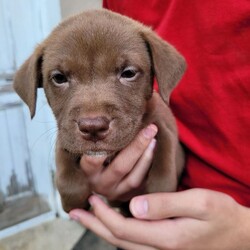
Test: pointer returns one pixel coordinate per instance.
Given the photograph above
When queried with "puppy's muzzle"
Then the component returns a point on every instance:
(94, 128)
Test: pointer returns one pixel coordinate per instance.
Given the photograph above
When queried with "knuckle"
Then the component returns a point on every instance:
(100, 190)
(118, 232)
(104, 190)
(142, 142)
(148, 155)
(119, 171)
(133, 183)
(107, 191)
(205, 204)
(93, 181)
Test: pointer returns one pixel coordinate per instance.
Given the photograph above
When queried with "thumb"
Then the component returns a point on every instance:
(193, 203)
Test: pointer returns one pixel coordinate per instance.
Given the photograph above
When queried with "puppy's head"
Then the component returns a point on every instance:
(97, 70)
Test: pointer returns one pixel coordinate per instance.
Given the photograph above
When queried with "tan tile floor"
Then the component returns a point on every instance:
(92, 242)
(59, 234)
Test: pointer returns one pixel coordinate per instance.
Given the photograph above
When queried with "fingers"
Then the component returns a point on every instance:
(128, 157)
(142, 166)
(95, 225)
(159, 234)
(138, 173)
(126, 172)
(91, 222)
(129, 229)
(177, 233)
(193, 203)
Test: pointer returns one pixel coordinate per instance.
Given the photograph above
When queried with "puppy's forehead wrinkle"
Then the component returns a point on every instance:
(83, 43)
(91, 60)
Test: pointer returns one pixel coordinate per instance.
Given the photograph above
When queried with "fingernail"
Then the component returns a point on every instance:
(91, 200)
(152, 144)
(74, 216)
(150, 131)
(139, 207)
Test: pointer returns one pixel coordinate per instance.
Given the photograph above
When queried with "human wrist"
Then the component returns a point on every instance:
(245, 228)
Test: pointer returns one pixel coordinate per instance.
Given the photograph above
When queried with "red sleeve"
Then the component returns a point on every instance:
(212, 102)
(146, 11)
(105, 4)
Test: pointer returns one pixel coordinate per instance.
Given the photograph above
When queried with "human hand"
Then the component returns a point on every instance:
(123, 178)
(192, 219)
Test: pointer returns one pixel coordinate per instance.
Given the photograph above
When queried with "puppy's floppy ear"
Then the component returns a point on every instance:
(28, 78)
(168, 64)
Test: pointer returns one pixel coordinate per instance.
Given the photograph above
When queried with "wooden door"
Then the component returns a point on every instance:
(27, 192)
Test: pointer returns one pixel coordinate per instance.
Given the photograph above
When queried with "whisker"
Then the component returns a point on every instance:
(51, 130)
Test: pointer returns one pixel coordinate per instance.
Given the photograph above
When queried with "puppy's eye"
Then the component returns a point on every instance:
(129, 74)
(59, 78)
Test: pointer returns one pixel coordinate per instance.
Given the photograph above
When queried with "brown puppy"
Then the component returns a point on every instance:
(97, 70)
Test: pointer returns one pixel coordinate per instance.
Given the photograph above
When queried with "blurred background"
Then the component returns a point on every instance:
(31, 216)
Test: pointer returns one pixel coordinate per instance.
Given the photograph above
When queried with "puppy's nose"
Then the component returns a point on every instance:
(94, 129)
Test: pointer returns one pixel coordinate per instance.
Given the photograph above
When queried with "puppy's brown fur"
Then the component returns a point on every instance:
(92, 50)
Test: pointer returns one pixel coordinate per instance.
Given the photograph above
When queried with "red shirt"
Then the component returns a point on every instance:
(212, 102)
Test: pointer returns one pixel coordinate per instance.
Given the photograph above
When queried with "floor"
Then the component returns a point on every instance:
(59, 234)
(91, 241)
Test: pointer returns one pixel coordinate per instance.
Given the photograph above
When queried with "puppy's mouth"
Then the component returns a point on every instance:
(107, 155)
(97, 153)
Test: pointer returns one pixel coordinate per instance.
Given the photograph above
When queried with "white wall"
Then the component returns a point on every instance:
(69, 8)
(22, 25)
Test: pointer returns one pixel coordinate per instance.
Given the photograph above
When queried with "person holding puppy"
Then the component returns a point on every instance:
(211, 105)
